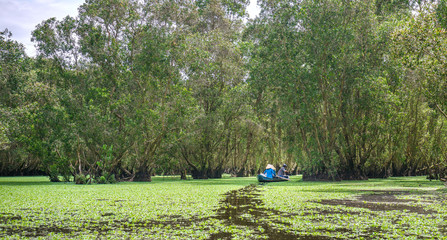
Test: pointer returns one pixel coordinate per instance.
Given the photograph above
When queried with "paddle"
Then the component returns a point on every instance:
(288, 179)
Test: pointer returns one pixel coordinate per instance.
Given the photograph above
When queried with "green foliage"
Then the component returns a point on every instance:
(417, 45)
(53, 173)
(82, 207)
(102, 180)
(336, 89)
(170, 208)
(325, 78)
(441, 13)
(20, 98)
(106, 178)
(80, 179)
(386, 7)
(326, 207)
(4, 141)
(111, 178)
(210, 58)
(342, 102)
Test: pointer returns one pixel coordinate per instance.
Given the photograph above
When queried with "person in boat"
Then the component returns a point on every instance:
(270, 171)
(283, 172)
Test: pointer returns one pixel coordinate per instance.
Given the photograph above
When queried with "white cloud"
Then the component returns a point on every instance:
(253, 9)
(22, 16)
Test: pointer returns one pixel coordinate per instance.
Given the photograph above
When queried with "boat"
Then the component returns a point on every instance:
(263, 178)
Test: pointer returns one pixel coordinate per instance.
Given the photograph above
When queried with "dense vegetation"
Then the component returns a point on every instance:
(168, 208)
(337, 89)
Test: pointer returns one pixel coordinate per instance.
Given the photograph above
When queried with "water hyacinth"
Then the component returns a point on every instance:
(237, 208)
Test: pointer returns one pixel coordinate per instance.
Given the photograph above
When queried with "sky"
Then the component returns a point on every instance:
(22, 16)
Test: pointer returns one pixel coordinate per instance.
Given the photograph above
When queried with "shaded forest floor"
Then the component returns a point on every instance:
(228, 208)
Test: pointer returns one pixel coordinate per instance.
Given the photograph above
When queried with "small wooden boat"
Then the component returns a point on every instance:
(263, 178)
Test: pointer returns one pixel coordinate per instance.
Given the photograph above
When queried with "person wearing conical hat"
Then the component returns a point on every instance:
(270, 171)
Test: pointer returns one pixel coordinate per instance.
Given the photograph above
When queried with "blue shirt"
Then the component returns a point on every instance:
(270, 173)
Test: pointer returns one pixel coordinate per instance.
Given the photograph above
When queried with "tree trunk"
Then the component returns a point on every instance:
(215, 173)
(143, 174)
(319, 177)
(199, 174)
(241, 173)
(206, 173)
(183, 174)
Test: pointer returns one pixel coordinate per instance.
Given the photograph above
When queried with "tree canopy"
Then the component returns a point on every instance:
(337, 89)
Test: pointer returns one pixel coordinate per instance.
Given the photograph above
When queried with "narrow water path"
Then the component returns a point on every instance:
(244, 208)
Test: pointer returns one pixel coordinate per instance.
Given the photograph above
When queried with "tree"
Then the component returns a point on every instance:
(323, 60)
(120, 86)
(13, 66)
(418, 45)
(211, 62)
(28, 107)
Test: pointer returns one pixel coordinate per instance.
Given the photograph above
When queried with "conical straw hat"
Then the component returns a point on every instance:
(270, 166)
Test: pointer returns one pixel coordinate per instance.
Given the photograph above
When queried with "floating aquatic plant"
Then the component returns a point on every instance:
(404, 208)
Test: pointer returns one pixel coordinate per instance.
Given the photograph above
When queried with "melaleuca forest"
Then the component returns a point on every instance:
(165, 119)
